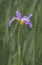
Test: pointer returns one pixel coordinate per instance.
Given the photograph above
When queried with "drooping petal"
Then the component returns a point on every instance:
(18, 14)
(11, 21)
(27, 20)
(29, 23)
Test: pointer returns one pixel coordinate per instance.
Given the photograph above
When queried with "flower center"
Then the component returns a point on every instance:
(21, 22)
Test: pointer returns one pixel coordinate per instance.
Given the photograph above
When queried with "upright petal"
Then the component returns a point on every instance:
(18, 14)
(29, 23)
(11, 21)
(30, 15)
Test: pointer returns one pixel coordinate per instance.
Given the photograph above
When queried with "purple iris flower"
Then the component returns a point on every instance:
(23, 20)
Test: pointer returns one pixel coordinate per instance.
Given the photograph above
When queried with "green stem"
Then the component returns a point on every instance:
(19, 46)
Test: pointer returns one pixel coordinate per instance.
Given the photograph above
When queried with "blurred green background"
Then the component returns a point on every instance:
(24, 47)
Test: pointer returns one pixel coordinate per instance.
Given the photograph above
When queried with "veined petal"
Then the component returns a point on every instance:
(29, 23)
(11, 21)
(18, 14)
(25, 18)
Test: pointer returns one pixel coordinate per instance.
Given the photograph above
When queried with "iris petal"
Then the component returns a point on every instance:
(18, 14)
(25, 18)
(12, 20)
(29, 23)
(30, 15)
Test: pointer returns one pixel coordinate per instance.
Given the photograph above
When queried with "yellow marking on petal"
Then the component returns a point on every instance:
(20, 21)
